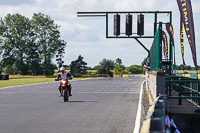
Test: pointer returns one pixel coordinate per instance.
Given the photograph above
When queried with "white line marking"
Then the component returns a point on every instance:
(41, 92)
(138, 116)
(24, 85)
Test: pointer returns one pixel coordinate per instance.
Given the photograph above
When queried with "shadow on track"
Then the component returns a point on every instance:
(80, 101)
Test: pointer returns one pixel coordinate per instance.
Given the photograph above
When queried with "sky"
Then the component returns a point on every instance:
(87, 36)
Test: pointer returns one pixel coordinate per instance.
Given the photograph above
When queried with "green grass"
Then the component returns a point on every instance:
(26, 81)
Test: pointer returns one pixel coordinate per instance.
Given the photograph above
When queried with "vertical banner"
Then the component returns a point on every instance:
(165, 44)
(181, 40)
(171, 35)
(171, 32)
(185, 9)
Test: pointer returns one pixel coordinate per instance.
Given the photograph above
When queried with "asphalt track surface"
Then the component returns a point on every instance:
(106, 105)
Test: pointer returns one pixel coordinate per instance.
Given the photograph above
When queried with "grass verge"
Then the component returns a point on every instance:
(26, 81)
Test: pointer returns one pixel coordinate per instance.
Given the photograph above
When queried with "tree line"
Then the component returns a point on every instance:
(105, 66)
(186, 67)
(27, 46)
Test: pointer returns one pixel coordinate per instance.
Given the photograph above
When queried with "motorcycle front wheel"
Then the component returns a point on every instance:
(65, 95)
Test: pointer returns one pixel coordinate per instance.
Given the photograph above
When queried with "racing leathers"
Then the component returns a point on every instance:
(64, 76)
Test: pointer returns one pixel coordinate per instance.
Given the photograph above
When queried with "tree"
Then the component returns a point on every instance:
(59, 56)
(134, 69)
(14, 32)
(186, 67)
(29, 45)
(11, 69)
(118, 62)
(119, 68)
(105, 66)
(78, 66)
(48, 35)
(1, 67)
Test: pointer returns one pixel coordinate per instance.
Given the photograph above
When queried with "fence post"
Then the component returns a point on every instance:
(195, 88)
(166, 86)
(180, 93)
(170, 88)
(198, 88)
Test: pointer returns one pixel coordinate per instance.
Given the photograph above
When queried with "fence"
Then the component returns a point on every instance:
(187, 88)
(156, 51)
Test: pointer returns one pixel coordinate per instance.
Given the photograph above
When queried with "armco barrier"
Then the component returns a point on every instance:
(76, 76)
(4, 77)
(89, 76)
(155, 118)
(94, 76)
(188, 75)
(131, 75)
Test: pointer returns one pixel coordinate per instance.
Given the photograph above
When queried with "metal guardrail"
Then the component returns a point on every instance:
(192, 75)
(187, 88)
(155, 118)
(4, 77)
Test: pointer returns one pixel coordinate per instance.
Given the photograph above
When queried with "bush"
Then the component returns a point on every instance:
(185, 72)
(134, 69)
(11, 69)
(119, 69)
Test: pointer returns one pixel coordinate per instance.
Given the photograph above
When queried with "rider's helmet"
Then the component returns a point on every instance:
(62, 69)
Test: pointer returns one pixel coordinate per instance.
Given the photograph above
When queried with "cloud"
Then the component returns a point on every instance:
(86, 36)
(127, 53)
(94, 52)
(77, 32)
(16, 2)
(133, 5)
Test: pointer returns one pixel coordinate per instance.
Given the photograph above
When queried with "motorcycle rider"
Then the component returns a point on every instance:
(63, 75)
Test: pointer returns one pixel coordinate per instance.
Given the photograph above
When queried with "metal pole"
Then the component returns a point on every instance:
(103, 13)
(166, 86)
(170, 47)
(180, 93)
(106, 25)
(198, 91)
(170, 89)
(197, 72)
(142, 46)
(155, 23)
(160, 46)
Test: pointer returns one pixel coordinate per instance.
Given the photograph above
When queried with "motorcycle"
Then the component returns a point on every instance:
(65, 88)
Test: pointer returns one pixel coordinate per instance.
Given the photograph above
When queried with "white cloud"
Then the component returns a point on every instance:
(94, 52)
(134, 5)
(86, 36)
(66, 28)
(82, 27)
(16, 2)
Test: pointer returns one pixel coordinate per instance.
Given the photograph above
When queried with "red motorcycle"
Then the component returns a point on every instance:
(65, 87)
